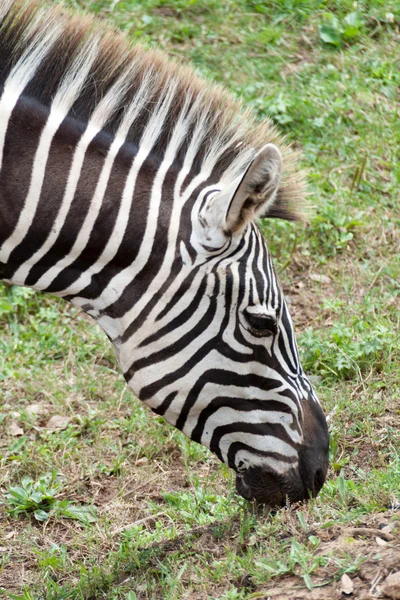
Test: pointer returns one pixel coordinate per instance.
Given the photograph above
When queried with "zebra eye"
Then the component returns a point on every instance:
(261, 325)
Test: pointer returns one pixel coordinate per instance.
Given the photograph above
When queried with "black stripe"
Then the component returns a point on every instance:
(235, 447)
(245, 404)
(275, 430)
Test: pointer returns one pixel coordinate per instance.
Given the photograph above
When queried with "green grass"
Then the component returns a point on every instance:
(159, 517)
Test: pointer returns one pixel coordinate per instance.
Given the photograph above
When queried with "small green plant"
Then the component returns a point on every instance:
(301, 556)
(298, 558)
(279, 108)
(335, 32)
(302, 521)
(26, 595)
(40, 499)
(200, 508)
(15, 299)
(346, 350)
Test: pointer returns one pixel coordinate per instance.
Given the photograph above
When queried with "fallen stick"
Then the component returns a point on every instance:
(369, 532)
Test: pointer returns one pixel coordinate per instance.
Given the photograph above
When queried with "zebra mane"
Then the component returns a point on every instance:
(95, 68)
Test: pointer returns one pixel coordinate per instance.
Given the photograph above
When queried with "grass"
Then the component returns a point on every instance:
(156, 516)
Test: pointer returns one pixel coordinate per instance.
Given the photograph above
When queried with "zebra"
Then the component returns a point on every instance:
(131, 188)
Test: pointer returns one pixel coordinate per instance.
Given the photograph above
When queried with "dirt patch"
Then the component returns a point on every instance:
(303, 302)
(367, 584)
(368, 456)
(167, 11)
(368, 560)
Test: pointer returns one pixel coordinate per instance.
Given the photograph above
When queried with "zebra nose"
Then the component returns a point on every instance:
(314, 454)
(271, 489)
(319, 480)
(313, 468)
(276, 490)
(302, 482)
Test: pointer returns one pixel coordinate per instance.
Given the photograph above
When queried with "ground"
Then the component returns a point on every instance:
(102, 499)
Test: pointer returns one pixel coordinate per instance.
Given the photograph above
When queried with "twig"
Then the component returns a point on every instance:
(371, 285)
(358, 175)
(332, 413)
(138, 522)
(113, 5)
(142, 485)
(130, 492)
(369, 532)
(375, 581)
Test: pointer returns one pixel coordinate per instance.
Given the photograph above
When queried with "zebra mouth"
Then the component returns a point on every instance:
(261, 486)
(274, 490)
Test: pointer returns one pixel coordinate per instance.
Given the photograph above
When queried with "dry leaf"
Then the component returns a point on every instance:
(347, 585)
(15, 429)
(320, 278)
(58, 422)
(380, 541)
(252, 540)
(38, 408)
(10, 535)
(391, 586)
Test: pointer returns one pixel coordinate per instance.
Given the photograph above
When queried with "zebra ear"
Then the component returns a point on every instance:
(253, 193)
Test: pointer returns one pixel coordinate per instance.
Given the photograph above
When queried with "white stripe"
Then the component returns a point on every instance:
(283, 338)
(261, 443)
(243, 394)
(228, 416)
(117, 285)
(153, 129)
(148, 374)
(213, 390)
(228, 335)
(252, 460)
(5, 7)
(180, 131)
(176, 334)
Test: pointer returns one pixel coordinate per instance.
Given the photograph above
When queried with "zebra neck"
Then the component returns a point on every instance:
(78, 207)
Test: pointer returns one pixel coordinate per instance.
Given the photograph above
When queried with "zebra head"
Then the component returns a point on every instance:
(131, 188)
(219, 359)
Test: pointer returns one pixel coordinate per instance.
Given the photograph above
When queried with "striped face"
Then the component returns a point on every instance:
(217, 357)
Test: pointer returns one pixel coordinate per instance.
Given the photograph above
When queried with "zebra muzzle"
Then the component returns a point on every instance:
(276, 490)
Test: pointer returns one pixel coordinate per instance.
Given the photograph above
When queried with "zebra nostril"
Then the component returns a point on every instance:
(319, 479)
